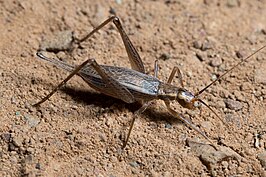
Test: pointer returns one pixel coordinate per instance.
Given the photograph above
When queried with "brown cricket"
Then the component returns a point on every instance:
(134, 85)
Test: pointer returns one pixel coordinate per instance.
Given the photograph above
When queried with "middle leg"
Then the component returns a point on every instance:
(156, 69)
(136, 113)
(174, 113)
(172, 75)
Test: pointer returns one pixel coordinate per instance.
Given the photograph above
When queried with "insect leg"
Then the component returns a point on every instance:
(180, 116)
(95, 30)
(136, 113)
(156, 69)
(75, 71)
(134, 58)
(172, 75)
(118, 89)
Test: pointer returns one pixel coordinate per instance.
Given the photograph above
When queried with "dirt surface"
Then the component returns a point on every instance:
(79, 132)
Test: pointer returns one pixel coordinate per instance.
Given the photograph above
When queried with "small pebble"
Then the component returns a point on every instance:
(6, 137)
(61, 41)
(240, 54)
(239, 96)
(29, 107)
(32, 122)
(262, 159)
(30, 150)
(23, 54)
(17, 141)
(260, 74)
(99, 15)
(112, 11)
(167, 174)
(246, 86)
(233, 105)
(13, 100)
(13, 160)
(133, 164)
(11, 146)
(28, 158)
(167, 125)
(202, 56)
(61, 55)
(216, 62)
(109, 122)
(256, 141)
(164, 56)
(252, 39)
(263, 31)
(118, 1)
(230, 118)
(102, 137)
(225, 164)
(197, 44)
(232, 3)
(220, 104)
(209, 155)
(38, 166)
(206, 45)
(207, 125)
(214, 77)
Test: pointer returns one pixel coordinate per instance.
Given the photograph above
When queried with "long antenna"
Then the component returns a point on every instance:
(244, 60)
(226, 124)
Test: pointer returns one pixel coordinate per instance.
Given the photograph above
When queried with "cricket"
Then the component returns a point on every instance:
(134, 85)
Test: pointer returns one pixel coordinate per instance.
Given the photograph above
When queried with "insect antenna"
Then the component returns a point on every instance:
(239, 63)
(226, 124)
(205, 104)
(201, 91)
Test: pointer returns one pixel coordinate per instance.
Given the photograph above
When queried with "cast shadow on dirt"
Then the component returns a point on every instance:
(104, 101)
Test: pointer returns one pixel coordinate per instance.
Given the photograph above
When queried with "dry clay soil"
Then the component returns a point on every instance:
(79, 131)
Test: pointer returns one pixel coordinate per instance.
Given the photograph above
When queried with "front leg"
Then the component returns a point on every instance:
(179, 116)
(172, 75)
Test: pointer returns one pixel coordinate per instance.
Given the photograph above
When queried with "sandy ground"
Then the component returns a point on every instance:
(79, 132)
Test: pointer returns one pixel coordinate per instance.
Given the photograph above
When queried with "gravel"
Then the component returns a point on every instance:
(233, 105)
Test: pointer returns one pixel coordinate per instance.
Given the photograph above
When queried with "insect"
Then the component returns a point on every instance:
(134, 85)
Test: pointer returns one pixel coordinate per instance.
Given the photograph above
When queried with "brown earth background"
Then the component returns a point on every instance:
(79, 132)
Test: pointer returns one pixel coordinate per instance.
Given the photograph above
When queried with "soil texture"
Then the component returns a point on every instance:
(80, 132)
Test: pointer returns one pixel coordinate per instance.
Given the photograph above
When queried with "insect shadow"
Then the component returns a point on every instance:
(87, 97)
